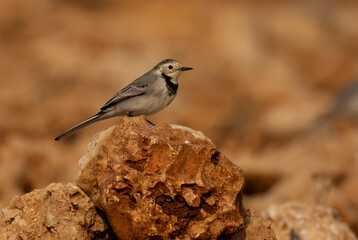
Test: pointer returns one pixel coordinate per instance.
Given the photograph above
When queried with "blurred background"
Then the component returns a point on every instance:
(274, 85)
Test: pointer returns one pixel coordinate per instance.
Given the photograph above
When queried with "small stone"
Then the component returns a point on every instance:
(191, 197)
(49, 214)
(210, 200)
(296, 220)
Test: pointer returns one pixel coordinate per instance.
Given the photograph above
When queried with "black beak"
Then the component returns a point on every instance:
(186, 68)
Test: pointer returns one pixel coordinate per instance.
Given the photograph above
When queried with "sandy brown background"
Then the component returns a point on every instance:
(264, 72)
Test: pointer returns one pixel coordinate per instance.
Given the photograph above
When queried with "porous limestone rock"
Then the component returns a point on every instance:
(162, 182)
(57, 212)
(296, 220)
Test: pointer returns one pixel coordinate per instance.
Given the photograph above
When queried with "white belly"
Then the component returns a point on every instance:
(143, 105)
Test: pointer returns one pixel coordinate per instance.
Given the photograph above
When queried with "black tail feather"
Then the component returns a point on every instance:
(81, 125)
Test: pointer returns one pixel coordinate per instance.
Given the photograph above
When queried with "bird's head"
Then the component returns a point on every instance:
(171, 68)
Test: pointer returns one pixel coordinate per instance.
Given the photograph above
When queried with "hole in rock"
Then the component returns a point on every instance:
(145, 142)
(75, 195)
(215, 157)
(209, 209)
(183, 223)
(137, 165)
(155, 238)
(126, 198)
(177, 206)
(75, 206)
(175, 234)
(159, 189)
(256, 183)
(190, 185)
(206, 195)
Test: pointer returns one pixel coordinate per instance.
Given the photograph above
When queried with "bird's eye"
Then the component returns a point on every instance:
(170, 67)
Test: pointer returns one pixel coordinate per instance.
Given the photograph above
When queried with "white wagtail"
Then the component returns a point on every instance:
(144, 96)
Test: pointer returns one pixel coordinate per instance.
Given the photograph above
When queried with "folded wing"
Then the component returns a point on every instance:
(126, 93)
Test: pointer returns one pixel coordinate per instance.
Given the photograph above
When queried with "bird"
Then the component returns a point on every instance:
(146, 95)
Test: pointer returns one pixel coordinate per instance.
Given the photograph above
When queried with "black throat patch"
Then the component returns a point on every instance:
(172, 87)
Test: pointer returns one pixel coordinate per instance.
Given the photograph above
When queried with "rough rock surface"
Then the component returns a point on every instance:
(57, 212)
(295, 220)
(255, 228)
(163, 182)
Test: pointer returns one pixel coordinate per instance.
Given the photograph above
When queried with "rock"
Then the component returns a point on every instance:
(312, 169)
(60, 211)
(31, 163)
(162, 182)
(255, 228)
(345, 199)
(295, 220)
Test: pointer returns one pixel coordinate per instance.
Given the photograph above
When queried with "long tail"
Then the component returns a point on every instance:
(95, 118)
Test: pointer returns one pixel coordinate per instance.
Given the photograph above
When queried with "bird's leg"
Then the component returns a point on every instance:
(129, 114)
(150, 123)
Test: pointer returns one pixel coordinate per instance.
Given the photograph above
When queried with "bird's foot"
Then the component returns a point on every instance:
(150, 123)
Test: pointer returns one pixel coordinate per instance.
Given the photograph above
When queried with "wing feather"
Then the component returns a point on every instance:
(126, 93)
(136, 88)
